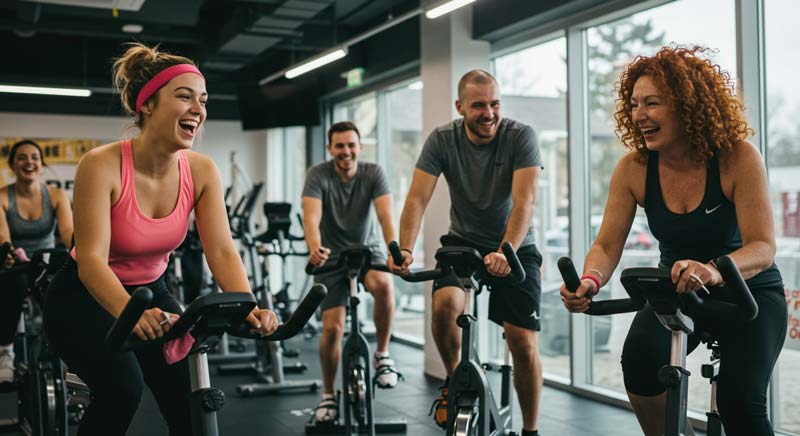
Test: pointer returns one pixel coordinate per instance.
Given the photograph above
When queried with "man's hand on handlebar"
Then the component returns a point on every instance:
(154, 323)
(497, 264)
(400, 270)
(578, 302)
(690, 276)
(319, 256)
(263, 321)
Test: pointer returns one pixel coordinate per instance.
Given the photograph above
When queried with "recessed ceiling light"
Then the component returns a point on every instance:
(132, 28)
(70, 92)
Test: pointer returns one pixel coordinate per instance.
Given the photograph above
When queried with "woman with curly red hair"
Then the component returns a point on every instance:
(705, 193)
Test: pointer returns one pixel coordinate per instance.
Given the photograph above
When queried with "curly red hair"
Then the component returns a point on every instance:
(699, 91)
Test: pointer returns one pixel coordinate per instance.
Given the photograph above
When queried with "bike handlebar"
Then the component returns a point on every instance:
(237, 304)
(745, 307)
(356, 256)
(517, 271)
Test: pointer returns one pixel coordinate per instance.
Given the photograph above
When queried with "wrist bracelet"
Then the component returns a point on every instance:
(407, 250)
(597, 273)
(593, 279)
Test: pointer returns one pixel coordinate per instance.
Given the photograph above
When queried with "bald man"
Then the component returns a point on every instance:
(491, 165)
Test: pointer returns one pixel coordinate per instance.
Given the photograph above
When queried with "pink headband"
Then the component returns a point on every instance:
(161, 79)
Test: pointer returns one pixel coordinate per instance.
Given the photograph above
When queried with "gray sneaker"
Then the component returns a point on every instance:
(6, 366)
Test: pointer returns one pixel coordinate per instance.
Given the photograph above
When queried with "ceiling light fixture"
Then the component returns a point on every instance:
(340, 50)
(132, 28)
(316, 63)
(69, 92)
(446, 8)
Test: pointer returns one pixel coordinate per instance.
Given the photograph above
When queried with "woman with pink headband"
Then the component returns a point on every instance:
(132, 204)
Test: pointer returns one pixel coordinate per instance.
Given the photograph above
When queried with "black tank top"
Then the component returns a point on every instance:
(705, 233)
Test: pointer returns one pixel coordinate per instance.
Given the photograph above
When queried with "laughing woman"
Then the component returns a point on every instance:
(30, 211)
(132, 204)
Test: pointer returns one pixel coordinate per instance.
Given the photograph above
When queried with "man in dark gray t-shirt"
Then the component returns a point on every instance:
(491, 166)
(337, 201)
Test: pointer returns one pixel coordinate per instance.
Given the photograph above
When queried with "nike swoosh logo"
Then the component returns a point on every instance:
(535, 315)
(710, 211)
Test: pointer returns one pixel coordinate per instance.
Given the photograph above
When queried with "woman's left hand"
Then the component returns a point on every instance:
(690, 275)
(263, 321)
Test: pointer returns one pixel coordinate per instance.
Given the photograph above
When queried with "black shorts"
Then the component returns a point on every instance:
(509, 301)
(338, 284)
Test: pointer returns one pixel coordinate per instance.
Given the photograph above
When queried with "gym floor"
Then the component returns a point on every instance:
(561, 414)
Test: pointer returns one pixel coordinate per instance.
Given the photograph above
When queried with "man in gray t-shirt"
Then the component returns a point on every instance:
(491, 166)
(337, 199)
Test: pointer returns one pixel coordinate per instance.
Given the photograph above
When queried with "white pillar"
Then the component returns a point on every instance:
(448, 51)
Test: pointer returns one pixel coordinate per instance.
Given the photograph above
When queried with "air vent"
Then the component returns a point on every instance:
(123, 5)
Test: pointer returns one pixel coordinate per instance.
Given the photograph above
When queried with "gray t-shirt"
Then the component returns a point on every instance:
(346, 206)
(479, 177)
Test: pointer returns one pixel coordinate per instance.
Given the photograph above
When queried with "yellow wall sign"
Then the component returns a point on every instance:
(56, 151)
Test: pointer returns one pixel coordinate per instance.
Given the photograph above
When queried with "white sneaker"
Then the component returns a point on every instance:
(386, 375)
(6, 366)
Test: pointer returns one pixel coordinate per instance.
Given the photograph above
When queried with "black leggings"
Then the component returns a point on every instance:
(748, 352)
(12, 292)
(76, 326)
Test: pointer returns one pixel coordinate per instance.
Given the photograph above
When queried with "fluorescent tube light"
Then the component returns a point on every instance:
(446, 8)
(316, 63)
(70, 92)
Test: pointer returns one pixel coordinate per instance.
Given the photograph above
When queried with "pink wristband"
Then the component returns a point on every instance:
(592, 278)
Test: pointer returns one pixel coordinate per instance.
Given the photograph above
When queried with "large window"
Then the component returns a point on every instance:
(390, 123)
(783, 157)
(536, 95)
(286, 161)
(611, 46)
(404, 122)
(363, 111)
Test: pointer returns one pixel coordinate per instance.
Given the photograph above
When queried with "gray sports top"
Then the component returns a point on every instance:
(32, 235)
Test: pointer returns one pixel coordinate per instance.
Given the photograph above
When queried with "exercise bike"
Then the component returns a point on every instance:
(278, 241)
(471, 406)
(47, 397)
(356, 374)
(675, 311)
(207, 319)
(267, 366)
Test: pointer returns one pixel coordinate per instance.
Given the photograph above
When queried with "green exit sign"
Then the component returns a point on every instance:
(355, 77)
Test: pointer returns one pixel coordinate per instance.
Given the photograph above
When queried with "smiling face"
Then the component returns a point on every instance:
(27, 163)
(180, 109)
(655, 117)
(480, 106)
(344, 149)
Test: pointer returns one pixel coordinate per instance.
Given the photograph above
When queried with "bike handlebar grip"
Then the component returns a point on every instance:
(4, 250)
(734, 281)
(569, 274)
(397, 254)
(517, 272)
(423, 276)
(122, 328)
(611, 307)
(298, 319)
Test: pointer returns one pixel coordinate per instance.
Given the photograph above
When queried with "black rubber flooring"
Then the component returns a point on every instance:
(561, 413)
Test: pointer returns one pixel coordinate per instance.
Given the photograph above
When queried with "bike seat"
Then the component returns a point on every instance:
(464, 261)
(355, 256)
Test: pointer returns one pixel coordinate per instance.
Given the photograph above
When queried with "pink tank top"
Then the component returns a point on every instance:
(140, 245)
